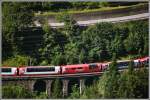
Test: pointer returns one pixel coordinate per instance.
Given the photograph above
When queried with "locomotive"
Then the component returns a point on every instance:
(69, 69)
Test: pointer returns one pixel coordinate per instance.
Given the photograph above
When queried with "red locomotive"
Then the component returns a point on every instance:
(81, 68)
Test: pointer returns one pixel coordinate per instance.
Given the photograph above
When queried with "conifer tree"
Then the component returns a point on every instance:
(111, 86)
(128, 82)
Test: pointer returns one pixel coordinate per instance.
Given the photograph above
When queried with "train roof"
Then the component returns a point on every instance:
(8, 67)
(77, 65)
(146, 58)
(123, 60)
(143, 58)
(38, 66)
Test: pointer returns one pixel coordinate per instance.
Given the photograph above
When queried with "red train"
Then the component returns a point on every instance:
(68, 69)
(82, 68)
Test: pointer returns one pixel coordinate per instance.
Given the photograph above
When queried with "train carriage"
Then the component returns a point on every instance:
(9, 71)
(82, 68)
(123, 64)
(96, 67)
(39, 70)
(144, 61)
(136, 63)
(72, 69)
(105, 65)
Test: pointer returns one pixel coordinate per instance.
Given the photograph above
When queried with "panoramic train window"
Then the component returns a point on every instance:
(40, 69)
(6, 69)
(73, 68)
(123, 63)
(79, 68)
(92, 66)
(146, 62)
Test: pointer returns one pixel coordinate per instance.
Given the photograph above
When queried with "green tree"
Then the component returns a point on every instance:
(19, 60)
(117, 46)
(82, 56)
(133, 83)
(75, 92)
(49, 43)
(59, 59)
(91, 92)
(146, 47)
(16, 16)
(53, 45)
(71, 29)
(56, 92)
(133, 43)
(96, 40)
(136, 40)
(15, 92)
(142, 87)
(111, 87)
(42, 95)
(71, 53)
(127, 83)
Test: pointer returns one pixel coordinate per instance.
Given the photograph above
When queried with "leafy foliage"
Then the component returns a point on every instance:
(91, 92)
(75, 92)
(111, 87)
(19, 60)
(42, 95)
(13, 91)
(56, 92)
(15, 17)
(64, 6)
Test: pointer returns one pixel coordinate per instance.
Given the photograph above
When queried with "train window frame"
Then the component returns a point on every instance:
(49, 69)
(80, 68)
(73, 68)
(93, 66)
(126, 63)
(6, 69)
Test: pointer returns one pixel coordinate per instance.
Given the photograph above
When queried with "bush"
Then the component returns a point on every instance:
(42, 95)
(15, 92)
(75, 92)
(19, 60)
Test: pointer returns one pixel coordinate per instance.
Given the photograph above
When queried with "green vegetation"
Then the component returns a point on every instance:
(57, 92)
(72, 45)
(101, 9)
(18, 61)
(64, 6)
(129, 84)
(15, 17)
(75, 92)
(12, 91)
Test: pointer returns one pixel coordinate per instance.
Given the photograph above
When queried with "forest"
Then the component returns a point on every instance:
(73, 44)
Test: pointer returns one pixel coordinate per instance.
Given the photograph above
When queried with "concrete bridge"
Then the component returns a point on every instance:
(31, 82)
